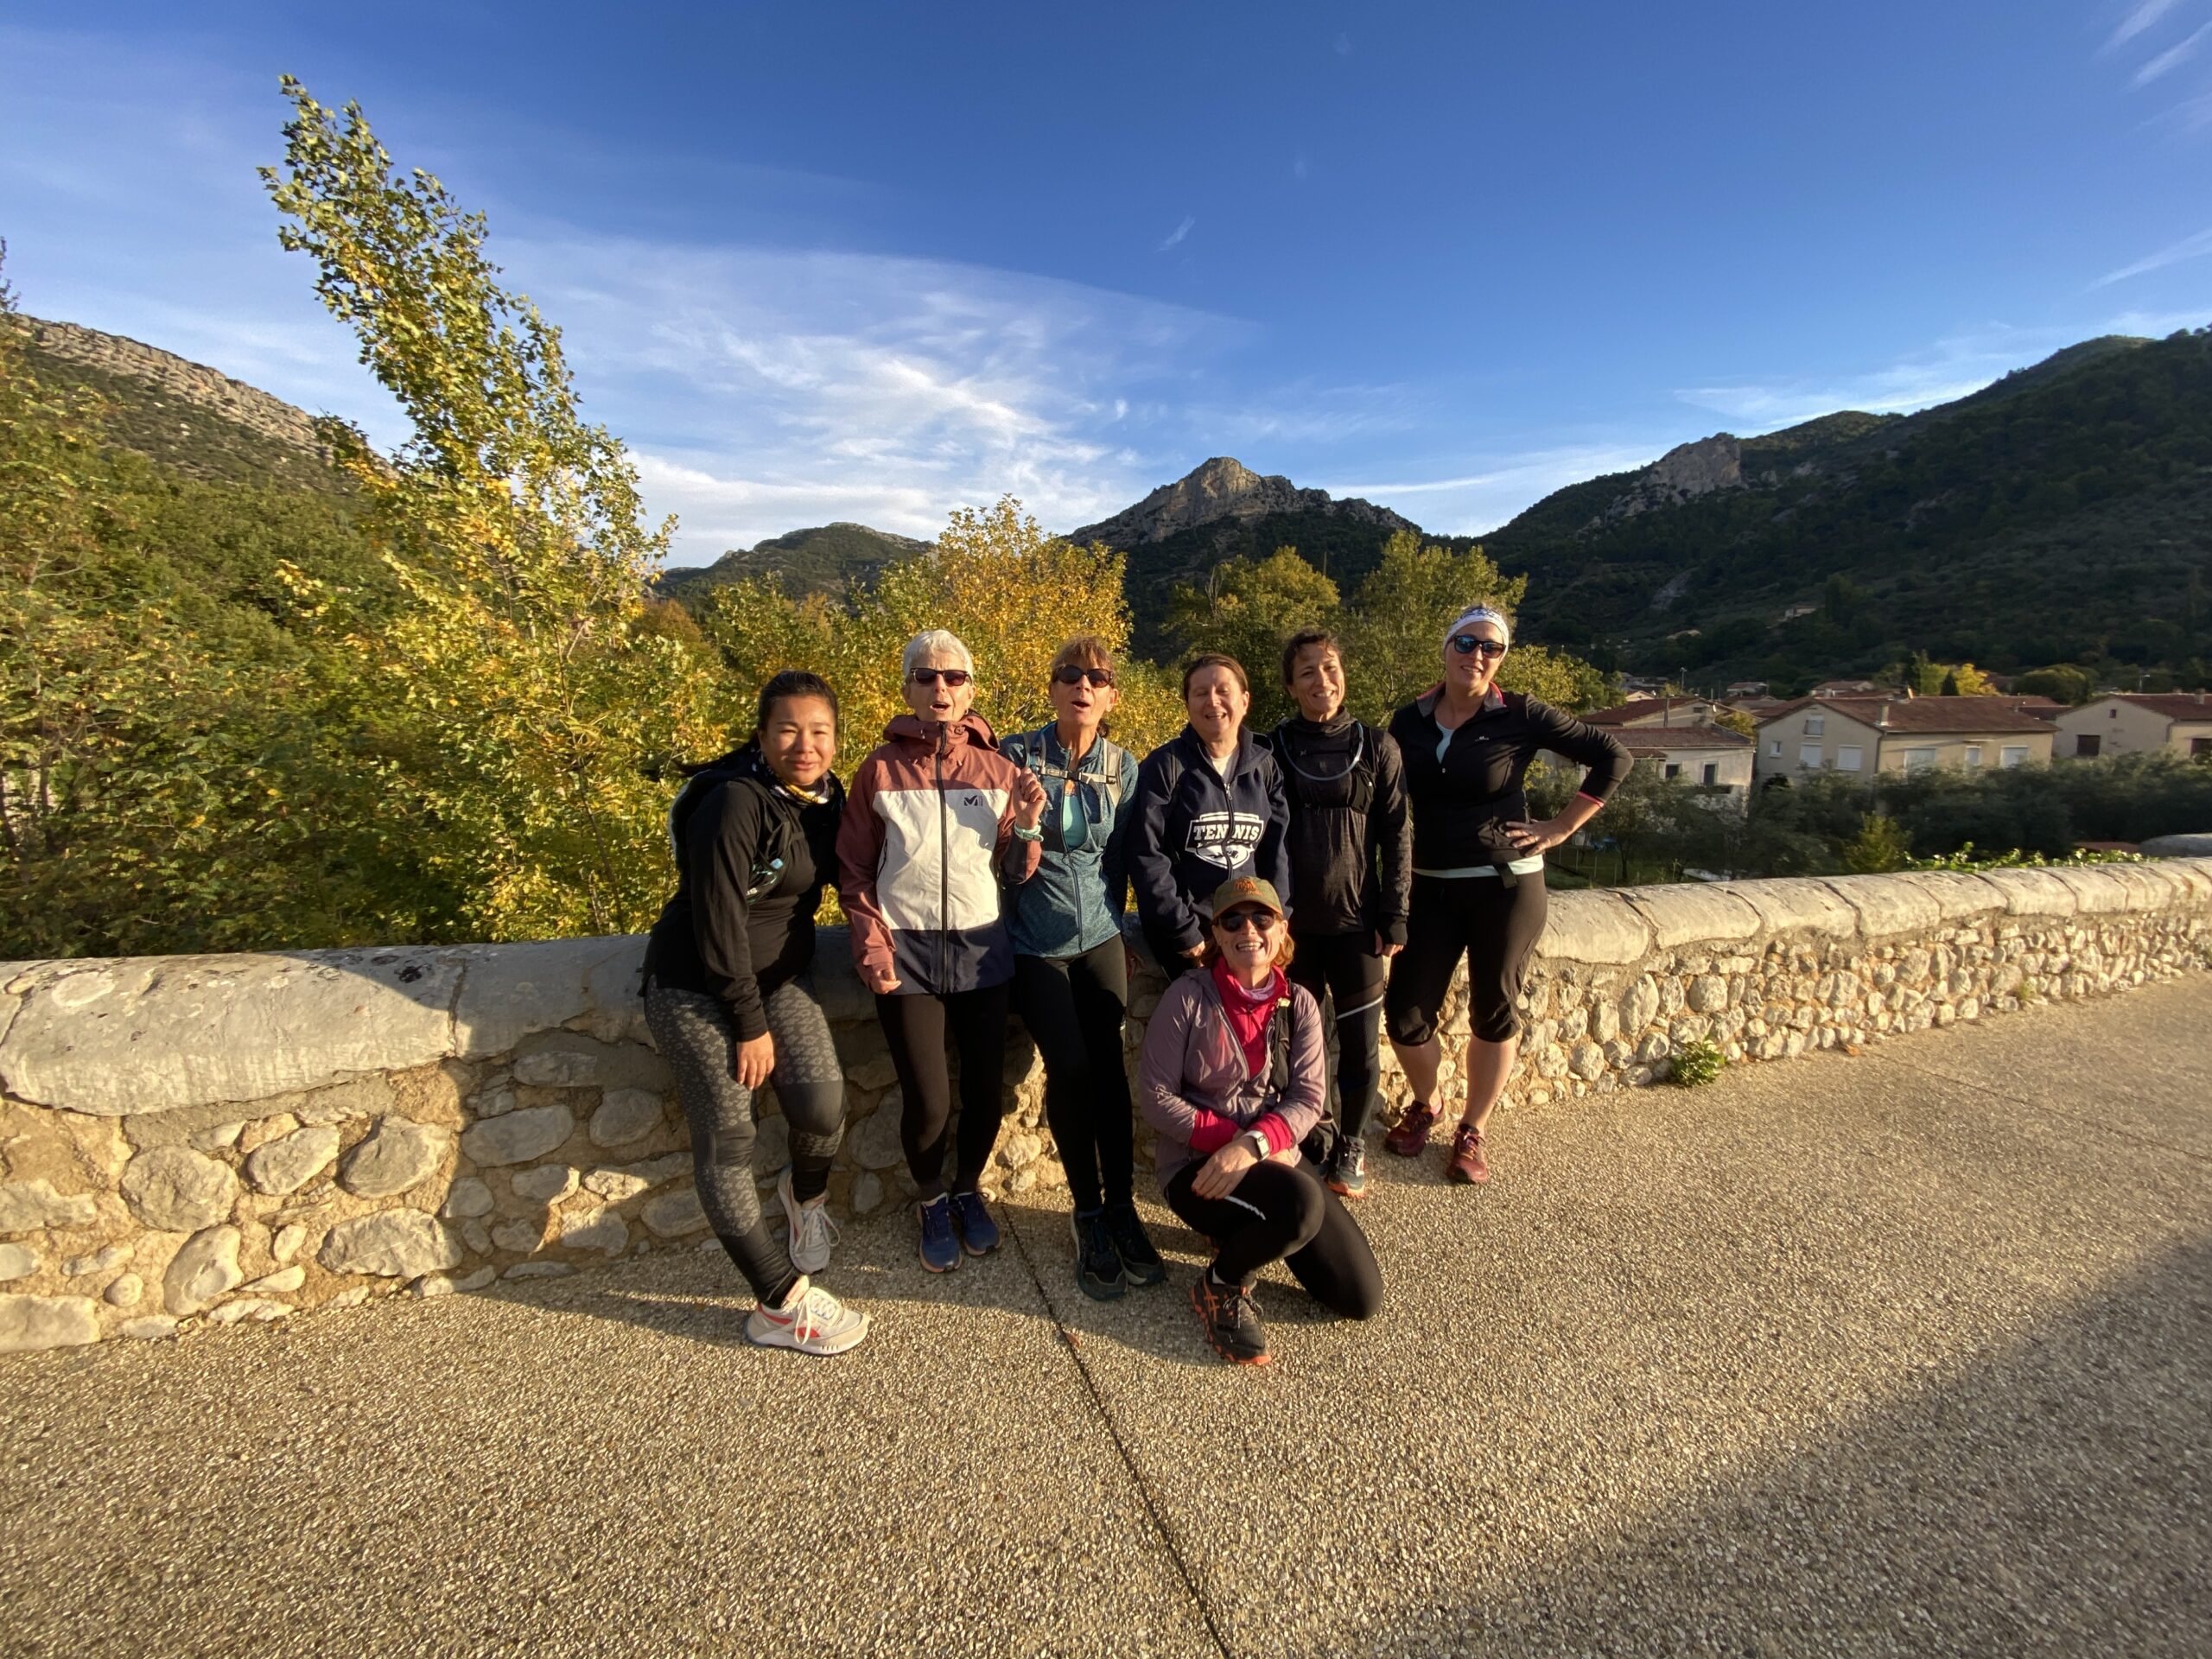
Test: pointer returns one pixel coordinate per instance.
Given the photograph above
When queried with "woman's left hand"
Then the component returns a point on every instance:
(1218, 1175)
(1028, 800)
(1533, 836)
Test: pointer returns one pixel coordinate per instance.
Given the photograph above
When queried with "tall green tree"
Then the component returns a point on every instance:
(527, 683)
(1248, 608)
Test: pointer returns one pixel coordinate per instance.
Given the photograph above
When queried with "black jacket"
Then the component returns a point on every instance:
(728, 826)
(1351, 841)
(1463, 801)
(1190, 831)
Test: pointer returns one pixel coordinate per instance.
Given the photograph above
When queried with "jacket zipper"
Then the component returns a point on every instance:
(943, 867)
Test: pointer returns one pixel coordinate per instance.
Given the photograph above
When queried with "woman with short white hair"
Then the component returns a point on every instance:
(935, 816)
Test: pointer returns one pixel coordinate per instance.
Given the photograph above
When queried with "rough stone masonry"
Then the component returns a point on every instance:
(191, 1142)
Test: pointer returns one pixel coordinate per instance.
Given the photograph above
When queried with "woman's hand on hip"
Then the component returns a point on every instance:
(1218, 1175)
(882, 981)
(1384, 948)
(756, 1058)
(1533, 836)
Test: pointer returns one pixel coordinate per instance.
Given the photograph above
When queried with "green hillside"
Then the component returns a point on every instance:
(823, 560)
(2058, 515)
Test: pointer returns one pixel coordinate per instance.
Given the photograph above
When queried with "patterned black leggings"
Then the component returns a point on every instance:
(699, 1042)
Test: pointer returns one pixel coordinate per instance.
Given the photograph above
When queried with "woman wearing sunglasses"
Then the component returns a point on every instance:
(1233, 1077)
(1070, 969)
(1478, 871)
(729, 999)
(936, 815)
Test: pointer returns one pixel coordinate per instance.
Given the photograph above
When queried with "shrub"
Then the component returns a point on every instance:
(1696, 1064)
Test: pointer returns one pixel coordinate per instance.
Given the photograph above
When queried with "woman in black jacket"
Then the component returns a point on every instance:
(731, 1006)
(1478, 871)
(1350, 846)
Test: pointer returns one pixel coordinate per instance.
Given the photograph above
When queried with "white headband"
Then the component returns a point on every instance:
(1479, 614)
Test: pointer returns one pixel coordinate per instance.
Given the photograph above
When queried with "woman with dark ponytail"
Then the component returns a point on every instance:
(730, 1001)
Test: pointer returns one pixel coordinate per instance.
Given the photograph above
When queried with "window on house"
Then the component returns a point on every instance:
(2199, 745)
(1712, 773)
(2087, 743)
(1973, 755)
(2014, 754)
(1774, 749)
(1672, 771)
(1849, 758)
(1808, 754)
(1815, 725)
(1919, 760)
(2112, 713)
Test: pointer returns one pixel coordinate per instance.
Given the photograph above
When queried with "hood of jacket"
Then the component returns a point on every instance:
(971, 727)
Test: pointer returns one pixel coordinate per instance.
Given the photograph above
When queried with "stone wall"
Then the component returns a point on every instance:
(189, 1142)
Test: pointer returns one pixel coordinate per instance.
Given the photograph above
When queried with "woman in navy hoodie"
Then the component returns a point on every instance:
(1210, 805)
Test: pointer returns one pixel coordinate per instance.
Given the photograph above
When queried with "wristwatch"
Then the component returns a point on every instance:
(1259, 1144)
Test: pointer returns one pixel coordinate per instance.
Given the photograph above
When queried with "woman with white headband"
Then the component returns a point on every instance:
(1478, 871)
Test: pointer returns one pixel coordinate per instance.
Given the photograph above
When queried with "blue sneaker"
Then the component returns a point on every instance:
(978, 1230)
(940, 1249)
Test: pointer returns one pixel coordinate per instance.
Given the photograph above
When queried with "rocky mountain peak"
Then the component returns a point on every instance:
(1223, 487)
(1686, 470)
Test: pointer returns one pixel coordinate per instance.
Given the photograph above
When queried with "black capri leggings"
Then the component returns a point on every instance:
(1073, 1008)
(1493, 925)
(1282, 1212)
(915, 1026)
(1342, 969)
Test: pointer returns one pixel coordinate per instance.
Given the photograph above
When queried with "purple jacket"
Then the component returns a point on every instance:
(1192, 1073)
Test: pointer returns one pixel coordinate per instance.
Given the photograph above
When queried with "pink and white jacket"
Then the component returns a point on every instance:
(929, 821)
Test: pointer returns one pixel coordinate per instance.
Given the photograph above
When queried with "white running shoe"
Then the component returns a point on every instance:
(813, 1233)
(810, 1320)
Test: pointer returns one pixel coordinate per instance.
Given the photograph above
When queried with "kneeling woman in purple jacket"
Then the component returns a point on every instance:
(1233, 1078)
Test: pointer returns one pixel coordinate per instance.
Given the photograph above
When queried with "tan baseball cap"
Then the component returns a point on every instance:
(1246, 890)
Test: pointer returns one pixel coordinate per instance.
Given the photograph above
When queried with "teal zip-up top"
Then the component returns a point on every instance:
(1072, 903)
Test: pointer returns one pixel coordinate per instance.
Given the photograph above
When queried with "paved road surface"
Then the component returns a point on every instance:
(1906, 1353)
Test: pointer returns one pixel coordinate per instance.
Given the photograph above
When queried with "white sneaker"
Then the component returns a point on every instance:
(810, 1320)
(812, 1231)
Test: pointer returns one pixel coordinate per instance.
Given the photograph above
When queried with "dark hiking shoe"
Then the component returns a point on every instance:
(1097, 1265)
(1230, 1319)
(940, 1246)
(1347, 1172)
(1410, 1138)
(979, 1234)
(1467, 1163)
(1141, 1263)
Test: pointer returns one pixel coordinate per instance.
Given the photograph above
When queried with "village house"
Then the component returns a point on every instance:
(1872, 735)
(1658, 711)
(1711, 758)
(2137, 722)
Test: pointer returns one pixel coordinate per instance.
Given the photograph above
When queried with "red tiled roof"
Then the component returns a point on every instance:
(2172, 705)
(1966, 716)
(1656, 739)
(1645, 708)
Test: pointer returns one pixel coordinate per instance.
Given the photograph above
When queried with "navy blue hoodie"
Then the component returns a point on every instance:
(1190, 830)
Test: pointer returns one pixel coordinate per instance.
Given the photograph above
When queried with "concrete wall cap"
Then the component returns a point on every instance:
(1693, 914)
(2192, 876)
(1888, 905)
(2031, 891)
(1592, 927)
(2145, 888)
(509, 991)
(1959, 893)
(2095, 893)
(1797, 905)
(111, 1037)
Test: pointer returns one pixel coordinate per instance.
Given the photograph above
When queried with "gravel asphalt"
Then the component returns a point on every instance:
(1907, 1352)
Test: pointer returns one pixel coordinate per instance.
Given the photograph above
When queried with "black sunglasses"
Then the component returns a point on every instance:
(1068, 674)
(1236, 921)
(1468, 644)
(955, 678)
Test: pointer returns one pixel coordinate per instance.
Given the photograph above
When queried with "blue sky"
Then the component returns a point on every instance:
(871, 263)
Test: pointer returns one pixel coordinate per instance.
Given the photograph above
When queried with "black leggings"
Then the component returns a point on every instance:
(1343, 966)
(1493, 925)
(916, 1027)
(1073, 1008)
(1282, 1212)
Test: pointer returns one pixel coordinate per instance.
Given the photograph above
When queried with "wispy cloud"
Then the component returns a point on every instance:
(2189, 247)
(1477, 502)
(2173, 57)
(2140, 18)
(1176, 236)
